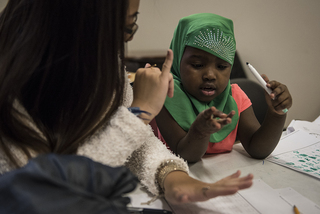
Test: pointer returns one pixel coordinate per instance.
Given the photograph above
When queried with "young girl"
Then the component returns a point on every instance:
(206, 113)
(64, 90)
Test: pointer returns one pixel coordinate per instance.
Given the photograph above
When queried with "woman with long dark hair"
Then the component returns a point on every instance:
(63, 89)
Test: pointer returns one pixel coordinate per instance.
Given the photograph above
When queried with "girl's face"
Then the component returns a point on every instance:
(203, 75)
(131, 19)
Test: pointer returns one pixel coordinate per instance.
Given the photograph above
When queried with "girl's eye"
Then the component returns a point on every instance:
(195, 65)
(222, 67)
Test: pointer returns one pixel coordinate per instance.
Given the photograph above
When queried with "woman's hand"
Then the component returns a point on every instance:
(151, 87)
(181, 188)
(280, 96)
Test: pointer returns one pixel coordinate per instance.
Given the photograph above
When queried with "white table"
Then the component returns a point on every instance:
(215, 167)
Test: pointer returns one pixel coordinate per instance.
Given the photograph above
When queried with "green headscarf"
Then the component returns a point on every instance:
(214, 34)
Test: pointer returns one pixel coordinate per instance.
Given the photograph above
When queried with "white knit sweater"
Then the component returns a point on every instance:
(126, 140)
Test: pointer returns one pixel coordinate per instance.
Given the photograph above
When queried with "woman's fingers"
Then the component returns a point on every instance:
(166, 67)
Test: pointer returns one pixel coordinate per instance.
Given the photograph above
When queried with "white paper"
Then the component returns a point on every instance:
(290, 127)
(265, 199)
(312, 128)
(294, 141)
(294, 198)
(140, 198)
(317, 120)
(223, 204)
(260, 198)
(298, 151)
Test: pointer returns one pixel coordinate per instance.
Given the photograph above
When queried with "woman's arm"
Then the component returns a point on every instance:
(152, 160)
(113, 144)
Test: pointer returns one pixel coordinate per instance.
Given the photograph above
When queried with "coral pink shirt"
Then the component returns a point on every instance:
(243, 102)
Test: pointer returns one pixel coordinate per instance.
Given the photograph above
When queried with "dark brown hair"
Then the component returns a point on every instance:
(61, 60)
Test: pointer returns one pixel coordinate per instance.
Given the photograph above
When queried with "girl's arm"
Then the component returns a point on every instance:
(193, 144)
(260, 141)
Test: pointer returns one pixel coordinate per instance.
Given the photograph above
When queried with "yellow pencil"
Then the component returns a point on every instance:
(295, 209)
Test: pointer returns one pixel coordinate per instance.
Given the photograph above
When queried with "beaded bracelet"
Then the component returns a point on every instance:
(164, 169)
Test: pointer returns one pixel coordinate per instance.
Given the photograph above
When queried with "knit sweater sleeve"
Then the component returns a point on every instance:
(127, 140)
(145, 161)
(115, 143)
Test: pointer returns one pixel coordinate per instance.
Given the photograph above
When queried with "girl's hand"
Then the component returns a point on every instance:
(211, 120)
(181, 188)
(280, 96)
(151, 87)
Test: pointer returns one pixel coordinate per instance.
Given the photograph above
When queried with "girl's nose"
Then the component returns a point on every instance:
(209, 75)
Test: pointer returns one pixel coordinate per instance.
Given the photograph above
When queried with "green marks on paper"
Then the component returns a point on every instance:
(306, 160)
(310, 164)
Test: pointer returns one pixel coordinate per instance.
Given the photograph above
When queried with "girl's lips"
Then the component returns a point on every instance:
(208, 92)
(208, 89)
